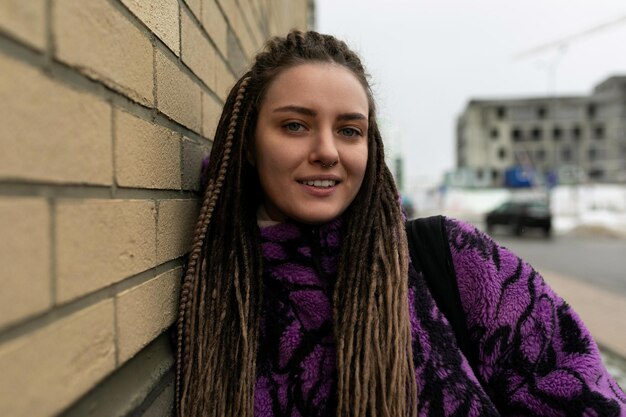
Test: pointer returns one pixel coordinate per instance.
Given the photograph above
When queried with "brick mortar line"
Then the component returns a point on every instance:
(181, 148)
(21, 51)
(72, 78)
(39, 321)
(208, 37)
(182, 4)
(50, 41)
(134, 20)
(249, 25)
(157, 207)
(113, 149)
(259, 19)
(154, 113)
(73, 191)
(180, 31)
(52, 227)
(116, 333)
(230, 26)
(184, 69)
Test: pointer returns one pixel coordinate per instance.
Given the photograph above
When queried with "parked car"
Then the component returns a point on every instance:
(521, 215)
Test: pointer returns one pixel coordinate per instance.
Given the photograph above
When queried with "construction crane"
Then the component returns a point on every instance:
(561, 44)
(560, 47)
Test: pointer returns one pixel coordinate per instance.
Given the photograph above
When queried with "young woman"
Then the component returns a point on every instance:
(300, 299)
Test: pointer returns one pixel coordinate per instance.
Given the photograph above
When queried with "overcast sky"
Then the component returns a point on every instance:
(428, 58)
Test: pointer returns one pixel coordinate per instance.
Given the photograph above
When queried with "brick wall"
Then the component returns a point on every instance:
(106, 110)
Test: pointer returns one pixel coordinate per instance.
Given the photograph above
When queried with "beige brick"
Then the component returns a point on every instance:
(177, 220)
(215, 24)
(248, 13)
(24, 20)
(260, 10)
(161, 16)
(100, 242)
(97, 39)
(145, 311)
(146, 155)
(238, 25)
(225, 80)
(50, 132)
(46, 370)
(211, 112)
(197, 52)
(236, 58)
(231, 11)
(195, 6)
(177, 95)
(25, 258)
(285, 16)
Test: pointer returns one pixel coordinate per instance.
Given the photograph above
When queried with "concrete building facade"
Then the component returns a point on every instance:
(107, 108)
(577, 138)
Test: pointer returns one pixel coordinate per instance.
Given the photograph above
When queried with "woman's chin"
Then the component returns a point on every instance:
(316, 218)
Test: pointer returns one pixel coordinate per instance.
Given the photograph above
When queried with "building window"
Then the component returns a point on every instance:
(542, 112)
(576, 131)
(494, 133)
(501, 113)
(479, 174)
(596, 174)
(566, 154)
(536, 133)
(593, 154)
(598, 132)
(591, 111)
(516, 134)
(502, 153)
(495, 175)
(557, 133)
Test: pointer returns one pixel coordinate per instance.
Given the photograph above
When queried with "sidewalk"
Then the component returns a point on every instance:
(603, 312)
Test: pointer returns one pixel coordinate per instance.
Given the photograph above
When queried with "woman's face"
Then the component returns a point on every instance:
(310, 146)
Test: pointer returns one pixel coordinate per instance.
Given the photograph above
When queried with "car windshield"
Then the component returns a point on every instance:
(538, 208)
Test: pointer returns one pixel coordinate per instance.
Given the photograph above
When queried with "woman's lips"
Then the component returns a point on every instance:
(323, 191)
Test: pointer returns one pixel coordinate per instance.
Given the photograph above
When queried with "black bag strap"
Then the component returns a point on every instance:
(430, 253)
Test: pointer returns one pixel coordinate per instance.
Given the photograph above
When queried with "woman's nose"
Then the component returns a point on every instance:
(324, 149)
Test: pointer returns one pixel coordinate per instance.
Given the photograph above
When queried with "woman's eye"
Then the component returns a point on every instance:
(350, 132)
(294, 127)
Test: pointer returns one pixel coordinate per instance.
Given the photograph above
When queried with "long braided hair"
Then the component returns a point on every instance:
(220, 304)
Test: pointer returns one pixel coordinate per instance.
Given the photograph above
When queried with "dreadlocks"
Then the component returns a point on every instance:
(220, 304)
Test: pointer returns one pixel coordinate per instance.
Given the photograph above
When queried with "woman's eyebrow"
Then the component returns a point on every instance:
(309, 112)
(296, 109)
(351, 116)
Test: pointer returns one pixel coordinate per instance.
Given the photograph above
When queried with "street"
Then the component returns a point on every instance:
(600, 261)
(589, 273)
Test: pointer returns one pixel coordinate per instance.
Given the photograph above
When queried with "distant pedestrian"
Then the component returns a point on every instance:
(301, 298)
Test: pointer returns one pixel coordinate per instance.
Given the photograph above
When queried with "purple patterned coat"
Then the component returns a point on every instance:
(536, 358)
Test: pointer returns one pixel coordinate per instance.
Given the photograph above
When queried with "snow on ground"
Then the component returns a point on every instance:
(577, 209)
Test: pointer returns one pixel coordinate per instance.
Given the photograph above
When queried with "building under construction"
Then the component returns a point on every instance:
(544, 139)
